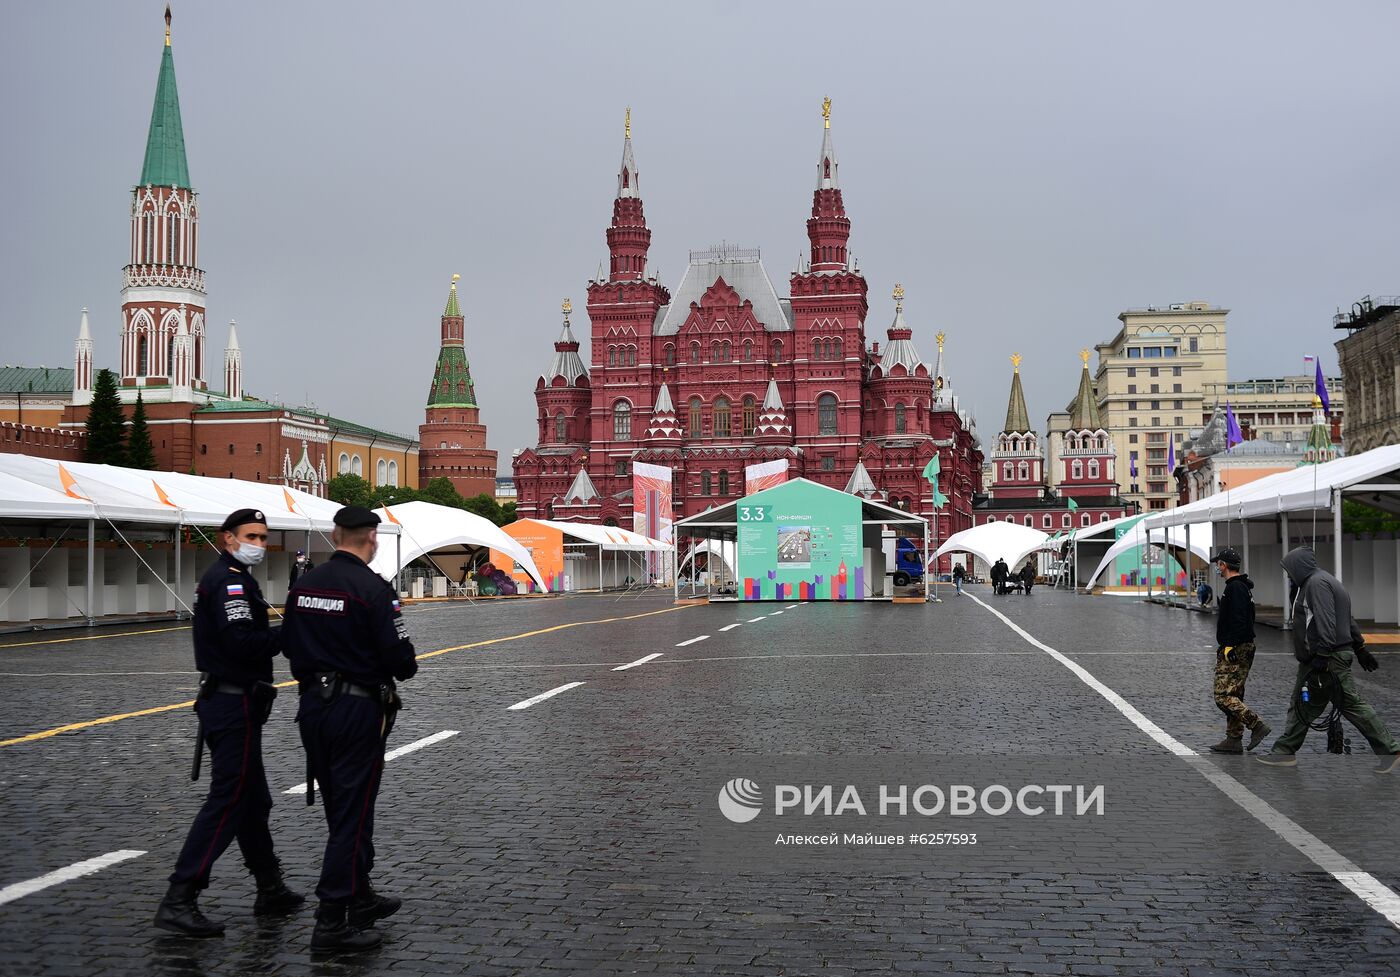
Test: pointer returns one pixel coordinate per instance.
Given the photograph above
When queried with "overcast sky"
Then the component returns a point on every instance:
(1026, 170)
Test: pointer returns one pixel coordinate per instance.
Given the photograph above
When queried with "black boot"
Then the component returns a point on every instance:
(274, 898)
(369, 905)
(334, 932)
(1230, 744)
(179, 913)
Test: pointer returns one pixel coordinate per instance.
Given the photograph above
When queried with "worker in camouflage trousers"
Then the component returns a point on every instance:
(1234, 636)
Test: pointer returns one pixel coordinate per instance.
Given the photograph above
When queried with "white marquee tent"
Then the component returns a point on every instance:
(426, 527)
(992, 541)
(1177, 540)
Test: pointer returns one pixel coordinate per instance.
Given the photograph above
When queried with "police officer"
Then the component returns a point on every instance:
(347, 643)
(233, 650)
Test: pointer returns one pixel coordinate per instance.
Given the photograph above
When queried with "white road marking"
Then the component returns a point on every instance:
(755, 620)
(534, 699)
(639, 661)
(731, 627)
(775, 614)
(692, 641)
(791, 606)
(1363, 884)
(77, 870)
(395, 754)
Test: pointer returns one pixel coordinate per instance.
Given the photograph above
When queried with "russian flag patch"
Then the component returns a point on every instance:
(396, 604)
(235, 590)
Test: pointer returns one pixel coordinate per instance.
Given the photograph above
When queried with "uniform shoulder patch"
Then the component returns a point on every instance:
(235, 590)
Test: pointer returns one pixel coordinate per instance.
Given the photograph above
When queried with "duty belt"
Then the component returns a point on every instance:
(339, 684)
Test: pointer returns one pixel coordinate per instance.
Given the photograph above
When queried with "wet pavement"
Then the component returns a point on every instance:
(563, 837)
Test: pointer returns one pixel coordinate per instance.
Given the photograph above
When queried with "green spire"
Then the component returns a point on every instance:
(1085, 415)
(1018, 419)
(452, 380)
(452, 308)
(165, 164)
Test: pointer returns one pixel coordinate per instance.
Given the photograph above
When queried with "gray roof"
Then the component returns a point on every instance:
(36, 379)
(900, 351)
(566, 363)
(743, 270)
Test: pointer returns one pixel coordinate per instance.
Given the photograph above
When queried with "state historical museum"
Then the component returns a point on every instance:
(727, 373)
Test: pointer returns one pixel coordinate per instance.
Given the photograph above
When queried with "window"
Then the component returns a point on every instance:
(620, 468)
(1132, 439)
(1156, 422)
(1023, 471)
(1176, 405)
(1064, 521)
(1045, 522)
(1029, 520)
(721, 417)
(561, 426)
(257, 449)
(669, 354)
(343, 465)
(899, 418)
(1132, 422)
(393, 473)
(1077, 469)
(826, 414)
(750, 416)
(1154, 371)
(695, 352)
(1093, 468)
(356, 467)
(1176, 371)
(380, 472)
(1168, 350)
(142, 357)
(1132, 405)
(693, 421)
(705, 482)
(612, 356)
(1132, 388)
(1084, 519)
(748, 351)
(1008, 471)
(1176, 389)
(1177, 420)
(777, 351)
(1103, 517)
(724, 482)
(1152, 352)
(1156, 404)
(1191, 345)
(1133, 354)
(230, 447)
(622, 420)
(828, 463)
(1132, 371)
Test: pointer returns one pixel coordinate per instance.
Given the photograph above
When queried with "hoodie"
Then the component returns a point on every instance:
(1235, 624)
(1322, 621)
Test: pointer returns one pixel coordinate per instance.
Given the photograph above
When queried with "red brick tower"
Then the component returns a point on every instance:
(1016, 459)
(1088, 453)
(452, 438)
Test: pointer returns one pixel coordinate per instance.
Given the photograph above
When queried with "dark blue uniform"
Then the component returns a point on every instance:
(235, 646)
(347, 643)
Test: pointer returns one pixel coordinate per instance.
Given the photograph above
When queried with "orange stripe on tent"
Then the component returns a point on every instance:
(70, 484)
(160, 493)
(390, 514)
(291, 503)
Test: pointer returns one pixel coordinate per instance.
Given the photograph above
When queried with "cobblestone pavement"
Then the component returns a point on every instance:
(553, 838)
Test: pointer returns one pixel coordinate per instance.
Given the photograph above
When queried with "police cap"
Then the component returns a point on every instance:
(1228, 556)
(355, 517)
(241, 518)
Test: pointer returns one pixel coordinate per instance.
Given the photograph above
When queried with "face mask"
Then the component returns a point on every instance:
(249, 554)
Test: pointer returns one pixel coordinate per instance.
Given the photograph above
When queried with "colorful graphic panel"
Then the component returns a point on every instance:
(800, 541)
(765, 475)
(546, 546)
(651, 508)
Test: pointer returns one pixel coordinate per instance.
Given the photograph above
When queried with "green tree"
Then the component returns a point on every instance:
(106, 434)
(140, 452)
(485, 506)
(1358, 519)
(350, 489)
(441, 491)
(392, 495)
(508, 515)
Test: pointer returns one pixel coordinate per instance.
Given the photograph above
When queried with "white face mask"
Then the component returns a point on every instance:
(249, 554)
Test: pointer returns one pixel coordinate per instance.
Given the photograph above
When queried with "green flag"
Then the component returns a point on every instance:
(1073, 505)
(932, 470)
(939, 499)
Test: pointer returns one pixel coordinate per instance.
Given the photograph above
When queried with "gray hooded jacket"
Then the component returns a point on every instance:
(1322, 621)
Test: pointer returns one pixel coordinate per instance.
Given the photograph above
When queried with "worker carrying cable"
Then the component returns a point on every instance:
(1325, 641)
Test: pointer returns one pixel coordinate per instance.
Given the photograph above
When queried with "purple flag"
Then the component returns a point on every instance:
(1321, 388)
(1171, 457)
(1132, 464)
(1233, 434)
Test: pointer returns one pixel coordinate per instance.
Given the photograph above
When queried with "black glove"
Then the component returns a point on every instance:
(1366, 659)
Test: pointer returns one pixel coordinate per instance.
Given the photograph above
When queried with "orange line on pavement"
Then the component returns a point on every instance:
(87, 724)
(92, 637)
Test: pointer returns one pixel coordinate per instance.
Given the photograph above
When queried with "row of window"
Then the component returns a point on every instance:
(385, 473)
(718, 421)
(721, 351)
(204, 448)
(143, 356)
(1158, 352)
(1176, 371)
(1047, 521)
(166, 250)
(1154, 404)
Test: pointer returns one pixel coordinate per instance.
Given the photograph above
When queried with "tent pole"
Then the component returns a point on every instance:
(91, 561)
(1337, 531)
(1244, 538)
(927, 572)
(398, 558)
(675, 576)
(179, 581)
(600, 568)
(1147, 560)
(1287, 607)
(1189, 588)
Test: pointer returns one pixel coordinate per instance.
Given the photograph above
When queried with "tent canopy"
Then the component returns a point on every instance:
(426, 527)
(40, 488)
(994, 541)
(1308, 488)
(608, 537)
(1201, 538)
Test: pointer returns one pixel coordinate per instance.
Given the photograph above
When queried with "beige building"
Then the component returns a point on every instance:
(1151, 387)
(1370, 359)
(1279, 410)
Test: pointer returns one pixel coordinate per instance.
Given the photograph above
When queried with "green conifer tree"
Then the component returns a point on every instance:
(140, 452)
(106, 434)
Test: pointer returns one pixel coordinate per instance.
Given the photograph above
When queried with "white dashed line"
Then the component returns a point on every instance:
(775, 614)
(755, 620)
(1363, 884)
(395, 754)
(535, 699)
(18, 890)
(692, 641)
(791, 606)
(639, 661)
(731, 627)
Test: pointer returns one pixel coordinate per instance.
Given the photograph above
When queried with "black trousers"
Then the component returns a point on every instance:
(344, 741)
(239, 803)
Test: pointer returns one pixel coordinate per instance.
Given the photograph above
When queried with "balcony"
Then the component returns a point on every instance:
(1368, 310)
(163, 276)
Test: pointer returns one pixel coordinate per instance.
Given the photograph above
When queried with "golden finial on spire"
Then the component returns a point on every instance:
(826, 111)
(1016, 362)
(1084, 356)
(455, 280)
(167, 25)
(568, 307)
(627, 123)
(898, 296)
(940, 337)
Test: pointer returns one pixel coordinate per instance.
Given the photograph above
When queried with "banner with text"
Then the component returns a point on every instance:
(800, 541)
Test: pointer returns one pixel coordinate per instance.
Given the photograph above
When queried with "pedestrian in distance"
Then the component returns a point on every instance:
(347, 643)
(999, 572)
(1028, 575)
(233, 650)
(300, 565)
(1234, 654)
(1326, 640)
(959, 574)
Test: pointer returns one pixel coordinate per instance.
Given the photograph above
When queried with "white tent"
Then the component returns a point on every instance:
(1176, 539)
(995, 540)
(608, 537)
(426, 527)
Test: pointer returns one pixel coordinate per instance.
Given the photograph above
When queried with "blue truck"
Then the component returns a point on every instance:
(908, 563)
